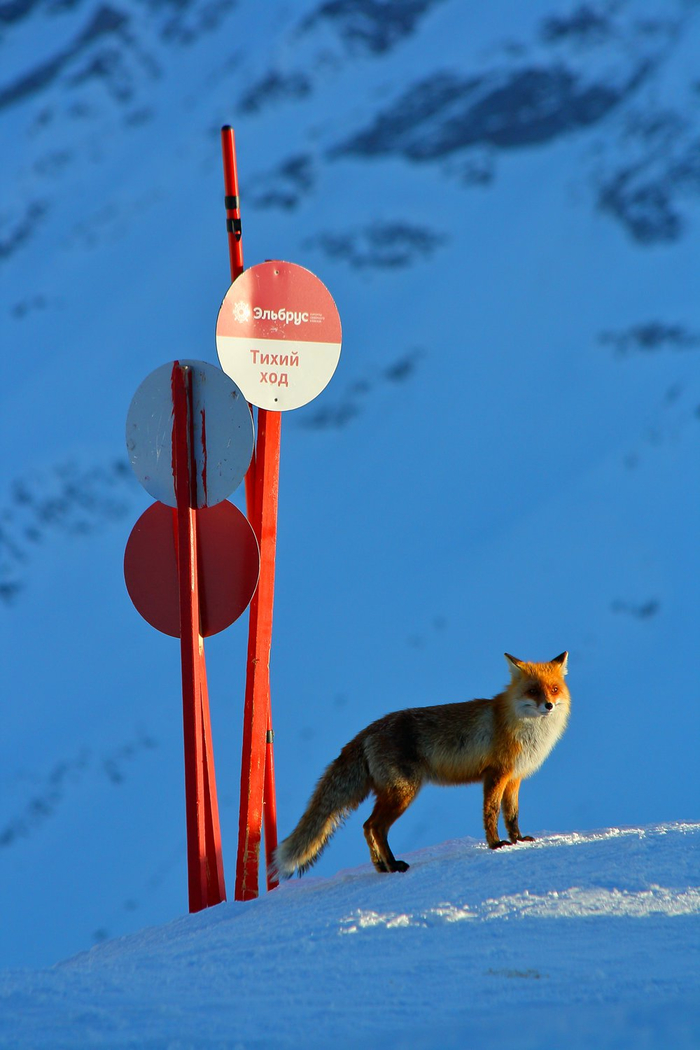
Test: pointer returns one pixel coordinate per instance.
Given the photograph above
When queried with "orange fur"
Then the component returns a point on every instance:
(497, 742)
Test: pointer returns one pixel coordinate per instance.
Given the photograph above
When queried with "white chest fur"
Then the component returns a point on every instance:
(537, 736)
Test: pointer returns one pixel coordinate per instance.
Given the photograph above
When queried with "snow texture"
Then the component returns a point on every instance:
(581, 940)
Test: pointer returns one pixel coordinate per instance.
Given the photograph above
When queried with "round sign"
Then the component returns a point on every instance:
(223, 433)
(228, 563)
(278, 335)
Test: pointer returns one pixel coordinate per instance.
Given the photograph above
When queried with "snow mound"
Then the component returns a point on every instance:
(583, 937)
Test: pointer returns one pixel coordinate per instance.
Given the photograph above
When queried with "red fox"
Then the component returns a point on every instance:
(497, 742)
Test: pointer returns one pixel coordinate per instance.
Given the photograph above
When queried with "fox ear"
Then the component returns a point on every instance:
(514, 665)
(562, 660)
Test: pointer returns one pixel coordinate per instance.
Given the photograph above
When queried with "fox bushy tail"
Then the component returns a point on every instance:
(341, 789)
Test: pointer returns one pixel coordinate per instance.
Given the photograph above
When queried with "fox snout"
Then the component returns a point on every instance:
(537, 707)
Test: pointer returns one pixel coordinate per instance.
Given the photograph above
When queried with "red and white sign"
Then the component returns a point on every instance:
(278, 335)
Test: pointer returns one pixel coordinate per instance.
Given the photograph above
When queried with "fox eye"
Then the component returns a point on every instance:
(554, 690)
(532, 691)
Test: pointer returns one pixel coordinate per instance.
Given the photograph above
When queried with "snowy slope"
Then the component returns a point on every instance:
(504, 203)
(579, 940)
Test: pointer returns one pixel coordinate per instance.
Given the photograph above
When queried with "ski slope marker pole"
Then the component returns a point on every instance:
(204, 854)
(257, 803)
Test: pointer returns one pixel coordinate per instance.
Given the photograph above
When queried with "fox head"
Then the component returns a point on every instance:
(538, 690)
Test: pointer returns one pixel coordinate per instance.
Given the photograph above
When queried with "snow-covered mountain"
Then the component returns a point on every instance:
(578, 940)
(503, 200)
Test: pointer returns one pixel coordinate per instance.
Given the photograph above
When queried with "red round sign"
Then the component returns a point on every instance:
(228, 562)
(278, 335)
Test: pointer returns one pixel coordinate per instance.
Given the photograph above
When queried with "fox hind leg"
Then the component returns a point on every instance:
(387, 810)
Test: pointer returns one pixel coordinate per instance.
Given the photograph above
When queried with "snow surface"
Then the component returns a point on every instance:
(577, 941)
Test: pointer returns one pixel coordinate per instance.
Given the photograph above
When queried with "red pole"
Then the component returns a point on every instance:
(270, 801)
(257, 771)
(232, 203)
(204, 857)
(262, 480)
(212, 831)
(267, 492)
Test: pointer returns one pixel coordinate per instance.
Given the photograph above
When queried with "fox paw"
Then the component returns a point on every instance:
(386, 867)
(499, 844)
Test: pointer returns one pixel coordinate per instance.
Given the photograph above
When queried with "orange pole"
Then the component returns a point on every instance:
(257, 800)
(205, 872)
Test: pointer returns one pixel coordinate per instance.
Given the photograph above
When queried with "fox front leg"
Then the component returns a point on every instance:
(494, 787)
(510, 812)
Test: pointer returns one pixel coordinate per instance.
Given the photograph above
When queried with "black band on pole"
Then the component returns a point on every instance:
(234, 226)
(232, 203)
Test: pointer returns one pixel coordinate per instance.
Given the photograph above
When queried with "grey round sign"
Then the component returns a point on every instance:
(223, 433)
